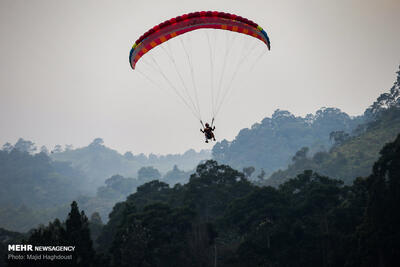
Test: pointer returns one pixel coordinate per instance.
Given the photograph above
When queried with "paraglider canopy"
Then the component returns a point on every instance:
(193, 21)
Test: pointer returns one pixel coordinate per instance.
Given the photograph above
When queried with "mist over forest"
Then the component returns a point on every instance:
(319, 190)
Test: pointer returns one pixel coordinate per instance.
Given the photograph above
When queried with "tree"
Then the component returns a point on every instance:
(128, 155)
(339, 137)
(155, 236)
(378, 235)
(386, 100)
(7, 147)
(114, 180)
(176, 176)
(121, 184)
(130, 247)
(95, 226)
(212, 187)
(146, 174)
(96, 218)
(320, 157)
(25, 146)
(43, 149)
(301, 154)
(261, 175)
(57, 149)
(293, 220)
(97, 142)
(248, 171)
(74, 232)
(78, 233)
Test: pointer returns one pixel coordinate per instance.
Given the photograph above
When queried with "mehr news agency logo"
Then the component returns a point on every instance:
(36, 255)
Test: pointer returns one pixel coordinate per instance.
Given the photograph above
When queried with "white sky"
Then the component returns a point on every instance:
(65, 76)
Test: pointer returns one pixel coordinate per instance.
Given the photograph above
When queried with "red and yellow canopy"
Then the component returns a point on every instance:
(190, 22)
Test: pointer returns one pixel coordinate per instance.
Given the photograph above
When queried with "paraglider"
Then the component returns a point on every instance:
(220, 84)
(208, 132)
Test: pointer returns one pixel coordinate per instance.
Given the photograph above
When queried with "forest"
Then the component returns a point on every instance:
(328, 199)
(220, 218)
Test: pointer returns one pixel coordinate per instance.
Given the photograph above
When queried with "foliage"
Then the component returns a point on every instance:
(198, 204)
(33, 188)
(176, 176)
(386, 100)
(8, 237)
(153, 237)
(248, 171)
(75, 231)
(351, 156)
(99, 162)
(220, 218)
(271, 143)
(146, 174)
(117, 188)
(310, 220)
(378, 237)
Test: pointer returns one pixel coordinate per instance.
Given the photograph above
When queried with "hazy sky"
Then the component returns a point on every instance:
(65, 76)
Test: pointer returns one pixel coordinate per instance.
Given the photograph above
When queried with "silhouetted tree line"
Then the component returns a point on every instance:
(271, 143)
(35, 189)
(220, 219)
(99, 162)
(350, 156)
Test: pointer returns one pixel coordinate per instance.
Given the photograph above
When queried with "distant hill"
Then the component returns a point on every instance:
(33, 188)
(99, 162)
(269, 145)
(37, 187)
(117, 188)
(353, 156)
(35, 180)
